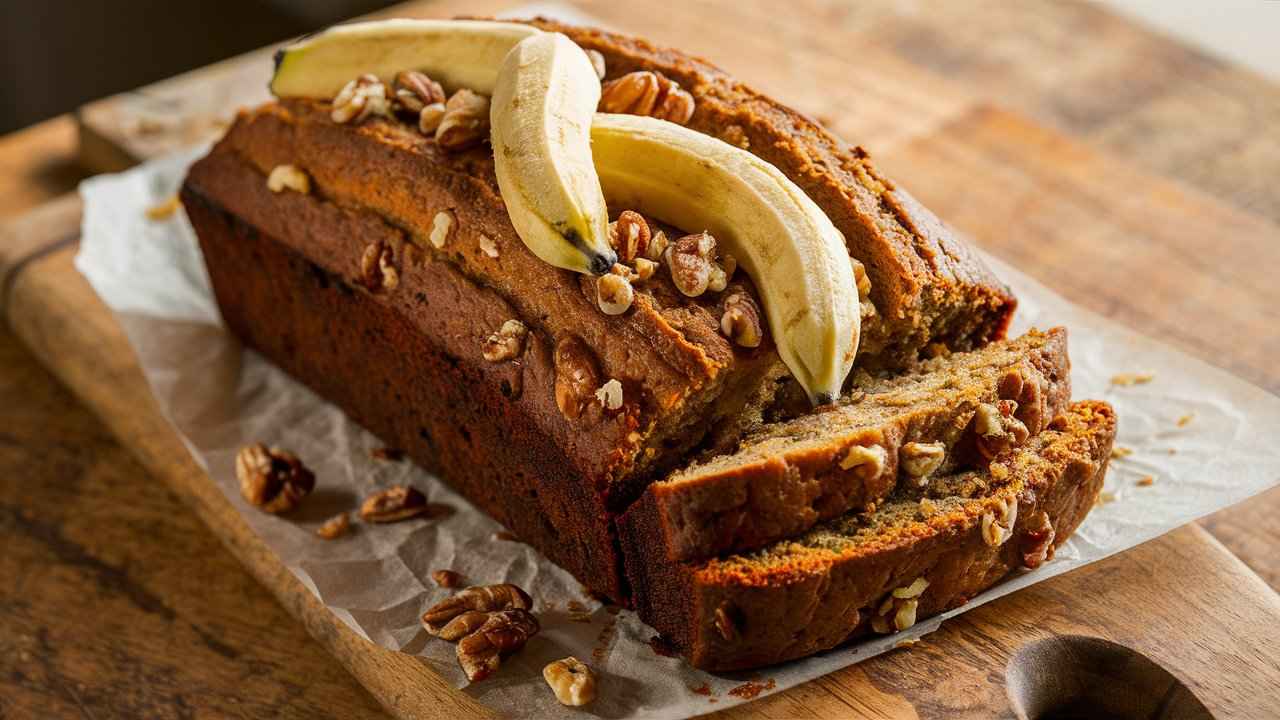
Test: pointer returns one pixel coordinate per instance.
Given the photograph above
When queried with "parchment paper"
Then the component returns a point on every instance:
(377, 580)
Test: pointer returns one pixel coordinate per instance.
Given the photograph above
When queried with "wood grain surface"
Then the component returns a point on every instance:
(920, 86)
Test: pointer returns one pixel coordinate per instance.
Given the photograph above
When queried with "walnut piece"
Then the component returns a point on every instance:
(359, 99)
(446, 578)
(462, 625)
(919, 460)
(868, 459)
(414, 91)
(288, 177)
(997, 524)
(429, 118)
(577, 377)
(441, 225)
(741, 320)
(645, 268)
(1037, 540)
(573, 682)
(272, 479)
(488, 246)
(658, 244)
(610, 395)
(898, 611)
(629, 235)
(465, 123)
(505, 632)
(690, 260)
(480, 598)
(378, 269)
(614, 293)
(997, 429)
(396, 503)
(507, 343)
(645, 92)
(335, 527)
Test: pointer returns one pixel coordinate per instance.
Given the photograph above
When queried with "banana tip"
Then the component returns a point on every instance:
(601, 263)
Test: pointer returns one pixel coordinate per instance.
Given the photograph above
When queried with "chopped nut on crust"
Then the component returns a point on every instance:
(573, 682)
(429, 118)
(645, 92)
(919, 460)
(441, 226)
(414, 91)
(288, 177)
(335, 527)
(645, 268)
(690, 260)
(505, 632)
(741, 320)
(507, 343)
(658, 244)
(610, 395)
(446, 578)
(166, 209)
(378, 268)
(480, 598)
(630, 236)
(614, 294)
(272, 479)
(577, 377)
(396, 503)
(465, 123)
(488, 246)
(359, 99)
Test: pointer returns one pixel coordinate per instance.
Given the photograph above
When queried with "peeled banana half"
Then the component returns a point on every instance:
(540, 120)
(455, 53)
(794, 255)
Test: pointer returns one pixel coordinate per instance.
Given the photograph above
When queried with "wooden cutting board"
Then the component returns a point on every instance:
(1051, 205)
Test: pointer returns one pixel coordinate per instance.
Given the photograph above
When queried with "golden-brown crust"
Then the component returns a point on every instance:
(815, 599)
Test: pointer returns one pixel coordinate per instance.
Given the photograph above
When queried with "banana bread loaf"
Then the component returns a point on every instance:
(951, 412)
(924, 551)
(390, 287)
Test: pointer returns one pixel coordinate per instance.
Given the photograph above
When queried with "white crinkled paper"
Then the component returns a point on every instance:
(377, 580)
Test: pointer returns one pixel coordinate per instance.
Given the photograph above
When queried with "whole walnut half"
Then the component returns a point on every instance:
(503, 633)
(272, 479)
(480, 598)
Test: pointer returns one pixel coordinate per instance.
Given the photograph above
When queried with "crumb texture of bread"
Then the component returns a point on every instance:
(786, 477)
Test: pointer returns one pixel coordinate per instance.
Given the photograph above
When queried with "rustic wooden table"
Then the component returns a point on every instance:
(117, 602)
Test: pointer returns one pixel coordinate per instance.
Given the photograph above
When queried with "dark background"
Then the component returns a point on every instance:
(57, 54)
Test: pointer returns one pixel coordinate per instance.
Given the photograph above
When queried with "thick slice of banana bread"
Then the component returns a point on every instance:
(952, 412)
(388, 284)
(923, 551)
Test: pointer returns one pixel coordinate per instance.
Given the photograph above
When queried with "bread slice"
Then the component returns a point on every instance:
(405, 357)
(787, 477)
(924, 551)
